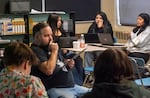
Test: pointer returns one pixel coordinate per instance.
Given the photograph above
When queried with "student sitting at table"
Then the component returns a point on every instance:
(140, 37)
(56, 23)
(100, 25)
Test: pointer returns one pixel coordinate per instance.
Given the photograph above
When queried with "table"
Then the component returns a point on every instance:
(116, 45)
(93, 47)
(88, 48)
(138, 50)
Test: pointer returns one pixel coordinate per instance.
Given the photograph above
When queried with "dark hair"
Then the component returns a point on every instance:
(37, 28)
(112, 66)
(146, 18)
(17, 52)
(52, 21)
(104, 17)
(106, 22)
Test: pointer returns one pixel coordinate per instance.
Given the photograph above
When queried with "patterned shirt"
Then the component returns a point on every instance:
(14, 84)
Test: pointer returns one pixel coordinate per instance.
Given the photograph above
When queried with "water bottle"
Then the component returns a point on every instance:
(82, 41)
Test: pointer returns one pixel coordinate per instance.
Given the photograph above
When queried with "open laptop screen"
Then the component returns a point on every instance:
(91, 38)
(66, 42)
(106, 39)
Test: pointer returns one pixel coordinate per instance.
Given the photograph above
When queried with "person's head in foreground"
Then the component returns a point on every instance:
(112, 66)
(114, 77)
(20, 56)
(16, 81)
(143, 20)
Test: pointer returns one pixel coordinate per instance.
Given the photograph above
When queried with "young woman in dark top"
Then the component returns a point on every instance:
(56, 24)
(100, 25)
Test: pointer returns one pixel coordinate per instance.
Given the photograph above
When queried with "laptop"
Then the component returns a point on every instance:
(106, 39)
(66, 42)
(91, 38)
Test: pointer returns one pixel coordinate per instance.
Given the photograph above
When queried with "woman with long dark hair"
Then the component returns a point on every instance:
(55, 23)
(100, 25)
(140, 37)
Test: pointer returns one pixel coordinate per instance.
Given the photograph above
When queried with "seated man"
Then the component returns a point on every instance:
(55, 74)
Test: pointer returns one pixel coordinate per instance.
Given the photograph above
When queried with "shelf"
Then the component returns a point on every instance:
(13, 34)
(4, 41)
(10, 28)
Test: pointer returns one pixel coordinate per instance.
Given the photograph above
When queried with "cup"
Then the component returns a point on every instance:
(76, 44)
(1, 52)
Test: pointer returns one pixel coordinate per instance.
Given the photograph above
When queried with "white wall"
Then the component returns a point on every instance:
(82, 26)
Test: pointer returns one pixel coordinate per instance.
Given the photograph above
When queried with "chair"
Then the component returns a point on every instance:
(1, 65)
(89, 76)
(115, 39)
(137, 63)
(140, 61)
(89, 69)
(138, 66)
(146, 81)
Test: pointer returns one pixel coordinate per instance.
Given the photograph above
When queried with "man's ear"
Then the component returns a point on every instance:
(36, 36)
(25, 64)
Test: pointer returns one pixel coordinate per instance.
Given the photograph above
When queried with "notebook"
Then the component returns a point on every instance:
(91, 38)
(66, 42)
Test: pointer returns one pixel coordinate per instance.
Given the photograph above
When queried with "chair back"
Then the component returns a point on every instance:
(139, 61)
(89, 77)
(138, 67)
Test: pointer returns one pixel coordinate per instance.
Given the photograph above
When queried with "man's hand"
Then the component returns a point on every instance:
(53, 47)
(69, 62)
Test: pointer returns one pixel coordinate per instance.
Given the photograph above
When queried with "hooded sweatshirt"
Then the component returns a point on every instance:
(124, 89)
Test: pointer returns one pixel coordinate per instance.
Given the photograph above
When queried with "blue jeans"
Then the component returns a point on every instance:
(90, 57)
(73, 92)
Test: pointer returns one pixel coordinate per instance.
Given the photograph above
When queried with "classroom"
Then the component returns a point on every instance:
(74, 49)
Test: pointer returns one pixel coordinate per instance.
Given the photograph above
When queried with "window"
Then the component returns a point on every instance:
(128, 10)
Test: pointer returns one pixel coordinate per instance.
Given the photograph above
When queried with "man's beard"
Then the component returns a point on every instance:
(44, 45)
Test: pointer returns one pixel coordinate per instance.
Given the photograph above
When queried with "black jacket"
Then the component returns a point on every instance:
(94, 29)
